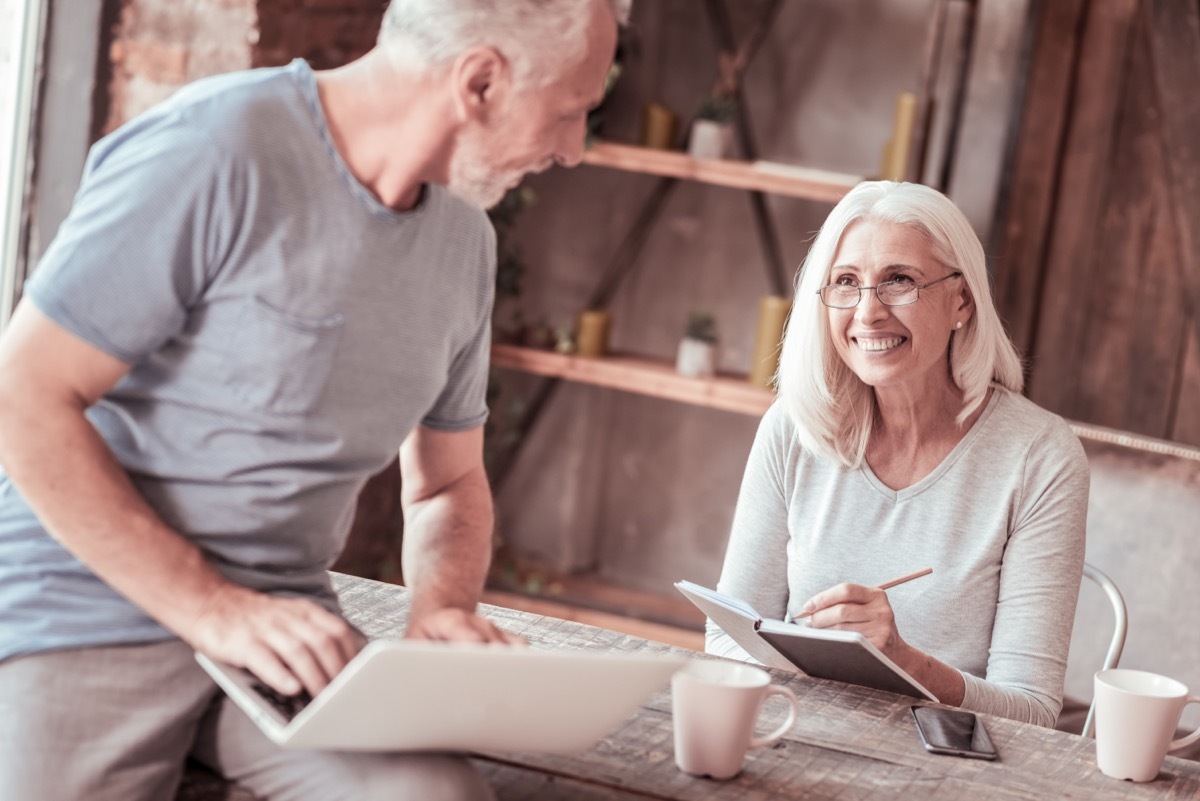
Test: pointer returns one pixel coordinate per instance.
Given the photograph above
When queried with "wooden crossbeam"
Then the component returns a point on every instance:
(1174, 30)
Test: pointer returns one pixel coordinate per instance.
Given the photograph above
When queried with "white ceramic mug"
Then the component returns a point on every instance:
(716, 705)
(1136, 716)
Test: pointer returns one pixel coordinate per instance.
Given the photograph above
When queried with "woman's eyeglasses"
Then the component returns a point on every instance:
(896, 292)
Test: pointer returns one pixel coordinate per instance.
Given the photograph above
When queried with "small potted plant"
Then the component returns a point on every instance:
(711, 135)
(698, 349)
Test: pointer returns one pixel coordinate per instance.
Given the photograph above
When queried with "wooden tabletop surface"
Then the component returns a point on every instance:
(849, 742)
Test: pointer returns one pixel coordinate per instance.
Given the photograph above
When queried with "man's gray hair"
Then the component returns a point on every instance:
(533, 35)
(833, 409)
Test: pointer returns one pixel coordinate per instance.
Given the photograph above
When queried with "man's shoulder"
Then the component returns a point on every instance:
(242, 89)
(229, 111)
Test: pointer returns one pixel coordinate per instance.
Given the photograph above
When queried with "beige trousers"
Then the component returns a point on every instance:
(119, 722)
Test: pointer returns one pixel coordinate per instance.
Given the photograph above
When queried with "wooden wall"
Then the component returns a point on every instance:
(1097, 269)
(1094, 251)
(159, 45)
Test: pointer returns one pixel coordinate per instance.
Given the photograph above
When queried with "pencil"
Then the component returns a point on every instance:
(887, 585)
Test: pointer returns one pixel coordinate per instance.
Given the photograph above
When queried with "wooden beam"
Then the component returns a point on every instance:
(1028, 207)
(1132, 333)
(776, 271)
(1174, 30)
(1080, 198)
(981, 146)
(1185, 425)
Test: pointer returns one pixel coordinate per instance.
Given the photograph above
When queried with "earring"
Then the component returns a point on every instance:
(958, 324)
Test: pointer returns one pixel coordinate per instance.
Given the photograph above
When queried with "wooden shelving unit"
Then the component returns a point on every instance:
(762, 176)
(638, 375)
(533, 587)
(582, 610)
(583, 596)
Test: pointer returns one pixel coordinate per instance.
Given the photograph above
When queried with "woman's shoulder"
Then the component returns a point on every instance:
(776, 430)
(778, 426)
(1021, 421)
(776, 417)
(779, 435)
(1015, 409)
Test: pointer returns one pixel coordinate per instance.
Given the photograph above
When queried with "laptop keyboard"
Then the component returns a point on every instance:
(287, 705)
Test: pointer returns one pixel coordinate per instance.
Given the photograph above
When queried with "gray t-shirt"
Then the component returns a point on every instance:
(1001, 521)
(286, 332)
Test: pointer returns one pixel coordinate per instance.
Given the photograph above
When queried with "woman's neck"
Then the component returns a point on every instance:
(910, 438)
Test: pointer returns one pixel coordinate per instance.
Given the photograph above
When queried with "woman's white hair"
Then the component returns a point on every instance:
(532, 34)
(833, 410)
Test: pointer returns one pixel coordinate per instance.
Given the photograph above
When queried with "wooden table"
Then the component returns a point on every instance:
(849, 743)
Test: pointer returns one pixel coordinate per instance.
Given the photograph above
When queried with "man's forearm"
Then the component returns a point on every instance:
(83, 497)
(448, 544)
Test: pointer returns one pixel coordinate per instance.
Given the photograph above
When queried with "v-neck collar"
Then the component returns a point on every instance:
(897, 496)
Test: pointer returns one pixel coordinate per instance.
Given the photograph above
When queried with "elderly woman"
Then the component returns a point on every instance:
(900, 440)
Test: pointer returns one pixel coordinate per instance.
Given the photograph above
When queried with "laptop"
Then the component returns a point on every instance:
(411, 695)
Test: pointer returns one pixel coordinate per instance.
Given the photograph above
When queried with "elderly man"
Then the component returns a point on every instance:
(266, 286)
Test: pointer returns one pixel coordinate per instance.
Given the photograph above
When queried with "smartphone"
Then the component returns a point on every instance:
(953, 731)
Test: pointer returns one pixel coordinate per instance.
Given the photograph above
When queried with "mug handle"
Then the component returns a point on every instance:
(1191, 738)
(793, 711)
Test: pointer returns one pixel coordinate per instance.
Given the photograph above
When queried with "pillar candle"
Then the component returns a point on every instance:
(658, 126)
(591, 336)
(772, 313)
(895, 168)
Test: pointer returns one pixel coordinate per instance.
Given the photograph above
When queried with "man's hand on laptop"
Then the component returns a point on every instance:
(450, 623)
(291, 644)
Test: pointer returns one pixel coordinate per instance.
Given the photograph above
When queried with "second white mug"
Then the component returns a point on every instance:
(1136, 716)
(716, 705)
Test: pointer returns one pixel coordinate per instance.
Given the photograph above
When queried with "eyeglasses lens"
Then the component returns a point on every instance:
(845, 296)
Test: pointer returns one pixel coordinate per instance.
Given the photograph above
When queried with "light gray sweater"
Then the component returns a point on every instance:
(1001, 520)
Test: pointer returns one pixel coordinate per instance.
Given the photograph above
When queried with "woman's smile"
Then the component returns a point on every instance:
(879, 344)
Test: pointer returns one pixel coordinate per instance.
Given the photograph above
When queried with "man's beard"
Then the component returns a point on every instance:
(475, 182)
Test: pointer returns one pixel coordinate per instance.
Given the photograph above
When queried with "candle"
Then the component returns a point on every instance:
(658, 127)
(591, 337)
(895, 165)
(772, 314)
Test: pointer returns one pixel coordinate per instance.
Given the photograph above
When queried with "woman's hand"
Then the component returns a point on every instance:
(854, 607)
(866, 610)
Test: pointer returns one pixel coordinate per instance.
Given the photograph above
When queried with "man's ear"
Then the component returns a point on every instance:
(481, 79)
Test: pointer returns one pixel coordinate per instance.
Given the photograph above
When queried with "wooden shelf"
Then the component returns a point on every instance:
(763, 176)
(587, 598)
(626, 624)
(639, 375)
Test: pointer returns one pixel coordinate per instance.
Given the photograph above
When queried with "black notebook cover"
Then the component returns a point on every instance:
(823, 653)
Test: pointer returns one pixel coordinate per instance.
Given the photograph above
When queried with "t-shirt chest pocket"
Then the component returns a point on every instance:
(281, 360)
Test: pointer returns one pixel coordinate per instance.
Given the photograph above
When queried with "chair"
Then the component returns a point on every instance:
(1120, 628)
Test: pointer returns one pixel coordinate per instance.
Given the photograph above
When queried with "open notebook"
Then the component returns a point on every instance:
(407, 695)
(824, 653)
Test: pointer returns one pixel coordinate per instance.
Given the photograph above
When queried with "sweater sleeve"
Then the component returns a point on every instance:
(1039, 586)
(756, 561)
